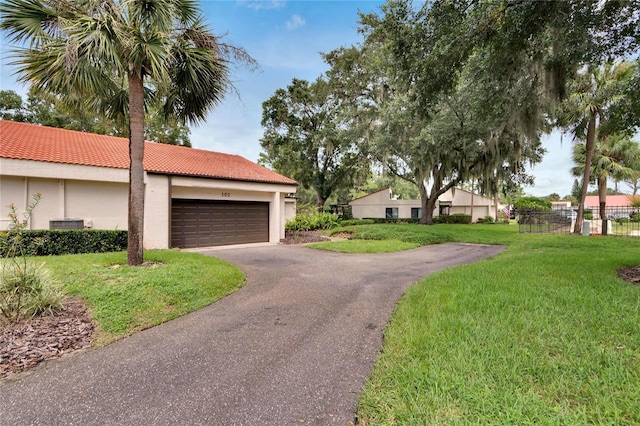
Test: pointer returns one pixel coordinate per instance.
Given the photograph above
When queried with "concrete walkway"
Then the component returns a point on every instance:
(294, 346)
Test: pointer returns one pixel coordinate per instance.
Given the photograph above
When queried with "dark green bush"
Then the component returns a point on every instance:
(486, 219)
(393, 220)
(310, 222)
(532, 203)
(353, 222)
(455, 218)
(68, 241)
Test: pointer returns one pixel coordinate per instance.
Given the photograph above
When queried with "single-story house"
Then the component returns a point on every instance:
(193, 197)
(593, 201)
(384, 204)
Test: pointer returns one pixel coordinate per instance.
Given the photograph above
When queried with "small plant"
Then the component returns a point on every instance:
(26, 289)
(486, 219)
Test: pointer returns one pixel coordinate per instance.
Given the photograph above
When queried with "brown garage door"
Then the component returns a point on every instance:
(204, 223)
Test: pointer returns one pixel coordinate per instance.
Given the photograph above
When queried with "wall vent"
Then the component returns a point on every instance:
(66, 223)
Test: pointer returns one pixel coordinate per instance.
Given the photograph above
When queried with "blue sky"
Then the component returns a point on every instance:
(285, 37)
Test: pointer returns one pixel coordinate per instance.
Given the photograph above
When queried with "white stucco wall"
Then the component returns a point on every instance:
(105, 208)
(290, 209)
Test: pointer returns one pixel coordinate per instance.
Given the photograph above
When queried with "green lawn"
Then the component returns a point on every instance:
(126, 299)
(545, 333)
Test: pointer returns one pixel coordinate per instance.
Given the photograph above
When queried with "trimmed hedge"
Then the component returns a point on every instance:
(354, 222)
(68, 241)
(392, 220)
(455, 218)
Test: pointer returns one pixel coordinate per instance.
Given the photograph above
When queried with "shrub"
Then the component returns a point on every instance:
(393, 220)
(486, 219)
(310, 222)
(56, 242)
(455, 218)
(532, 203)
(354, 222)
(27, 289)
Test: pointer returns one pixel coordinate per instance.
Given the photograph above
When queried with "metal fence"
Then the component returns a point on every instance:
(619, 221)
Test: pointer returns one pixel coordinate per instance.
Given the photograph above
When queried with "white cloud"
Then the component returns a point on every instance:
(296, 21)
(263, 4)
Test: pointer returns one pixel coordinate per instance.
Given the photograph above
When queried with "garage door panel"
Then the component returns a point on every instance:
(203, 223)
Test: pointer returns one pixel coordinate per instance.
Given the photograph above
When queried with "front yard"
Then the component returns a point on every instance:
(545, 333)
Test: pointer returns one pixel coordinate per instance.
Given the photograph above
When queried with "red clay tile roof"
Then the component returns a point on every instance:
(612, 200)
(38, 143)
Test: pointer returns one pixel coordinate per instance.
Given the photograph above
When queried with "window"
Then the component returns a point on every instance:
(416, 212)
(444, 210)
(391, 213)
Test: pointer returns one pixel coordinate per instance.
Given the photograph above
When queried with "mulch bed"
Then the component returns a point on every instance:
(30, 342)
(303, 237)
(630, 275)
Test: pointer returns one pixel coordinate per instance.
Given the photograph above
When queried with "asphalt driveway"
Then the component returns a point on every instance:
(294, 346)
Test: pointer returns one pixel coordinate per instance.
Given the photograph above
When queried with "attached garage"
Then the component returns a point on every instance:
(205, 223)
(193, 198)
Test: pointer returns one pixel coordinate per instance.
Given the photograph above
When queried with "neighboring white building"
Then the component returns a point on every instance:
(383, 204)
(193, 198)
(561, 205)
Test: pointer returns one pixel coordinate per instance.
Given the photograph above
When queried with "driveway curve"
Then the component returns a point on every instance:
(293, 346)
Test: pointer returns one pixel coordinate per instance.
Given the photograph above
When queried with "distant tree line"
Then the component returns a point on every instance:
(49, 111)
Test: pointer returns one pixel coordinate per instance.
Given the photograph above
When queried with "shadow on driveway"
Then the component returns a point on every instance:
(294, 346)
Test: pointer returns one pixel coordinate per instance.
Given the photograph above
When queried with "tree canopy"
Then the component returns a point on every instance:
(306, 137)
(47, 110)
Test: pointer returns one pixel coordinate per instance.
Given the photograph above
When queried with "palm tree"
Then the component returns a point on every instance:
(117, 57)
(593, 94)
(614, 157)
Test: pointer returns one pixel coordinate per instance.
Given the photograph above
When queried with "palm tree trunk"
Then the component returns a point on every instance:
(591, 136)
(136, 170)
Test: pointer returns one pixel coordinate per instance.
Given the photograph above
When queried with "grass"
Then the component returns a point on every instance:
(545, 333)
(124, 300)
(364, 246)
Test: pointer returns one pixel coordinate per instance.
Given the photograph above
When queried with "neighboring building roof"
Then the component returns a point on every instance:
(24, 141)
(387, 188)
(612, 200)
